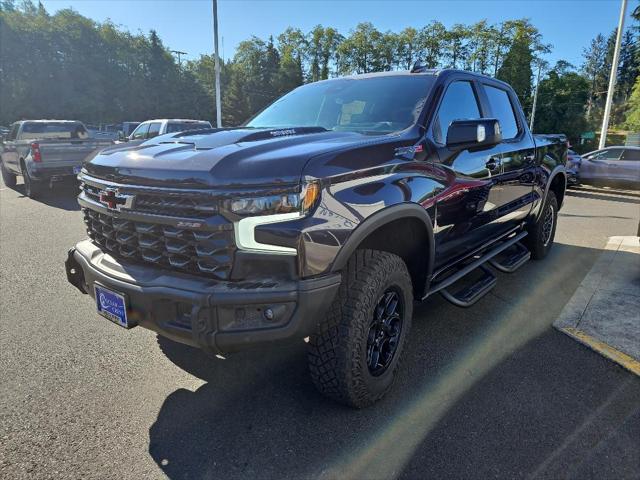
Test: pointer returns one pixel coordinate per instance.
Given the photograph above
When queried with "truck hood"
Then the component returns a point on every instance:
(234, 157)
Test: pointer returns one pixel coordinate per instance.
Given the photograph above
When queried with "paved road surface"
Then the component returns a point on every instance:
(492, 391)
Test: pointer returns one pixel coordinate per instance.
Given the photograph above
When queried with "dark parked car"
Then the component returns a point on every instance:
(325, 217)
(611, 164)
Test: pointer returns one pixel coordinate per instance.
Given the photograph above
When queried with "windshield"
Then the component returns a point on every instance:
(377, 105)
(184, 126)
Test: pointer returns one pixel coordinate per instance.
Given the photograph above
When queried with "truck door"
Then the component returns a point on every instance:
(516, 154)
(469, 210)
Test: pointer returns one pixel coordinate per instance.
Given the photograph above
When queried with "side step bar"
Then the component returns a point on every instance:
(470, 295)
(511, 259)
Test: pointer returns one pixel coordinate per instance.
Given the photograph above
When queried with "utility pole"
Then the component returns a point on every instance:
(217, 64)
(179, 53)
(612, 77)
(535, 99)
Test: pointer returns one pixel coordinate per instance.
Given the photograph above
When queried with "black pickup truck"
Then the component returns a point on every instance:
(326, 216)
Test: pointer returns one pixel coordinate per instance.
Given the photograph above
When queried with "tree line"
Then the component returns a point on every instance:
(68, 66)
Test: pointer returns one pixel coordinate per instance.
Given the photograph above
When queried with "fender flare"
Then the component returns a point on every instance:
(377, 220)
(560, 169)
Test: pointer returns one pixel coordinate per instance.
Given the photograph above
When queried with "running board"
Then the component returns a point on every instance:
(511, 259)
(471, 294)
(474, 292)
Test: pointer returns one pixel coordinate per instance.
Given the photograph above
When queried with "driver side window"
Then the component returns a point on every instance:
(607, 155)
(140, 132)
(459, 102)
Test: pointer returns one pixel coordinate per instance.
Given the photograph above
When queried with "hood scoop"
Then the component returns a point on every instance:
(217, 137)
(279, 133)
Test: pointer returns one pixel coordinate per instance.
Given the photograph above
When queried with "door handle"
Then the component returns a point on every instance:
(493, 163)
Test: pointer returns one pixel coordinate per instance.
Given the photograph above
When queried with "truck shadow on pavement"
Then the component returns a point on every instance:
(62, 195)
(491, 391)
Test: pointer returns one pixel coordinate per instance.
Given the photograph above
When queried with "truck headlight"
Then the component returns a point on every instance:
(300, 203)
(257, 211)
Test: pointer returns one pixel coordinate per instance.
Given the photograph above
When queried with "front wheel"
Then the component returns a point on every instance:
(541, 234)
(355, 353)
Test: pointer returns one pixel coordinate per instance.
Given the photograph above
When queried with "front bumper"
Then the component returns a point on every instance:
(219, 317)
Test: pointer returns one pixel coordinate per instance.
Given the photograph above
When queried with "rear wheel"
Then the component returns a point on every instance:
(8, 178)
(355, 353)
(541, 234)
(32, 188)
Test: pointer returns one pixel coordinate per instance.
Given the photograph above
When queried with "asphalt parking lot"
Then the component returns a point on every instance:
(488, 392)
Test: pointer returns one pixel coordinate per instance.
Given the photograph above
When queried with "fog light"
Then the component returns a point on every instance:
(268, 314)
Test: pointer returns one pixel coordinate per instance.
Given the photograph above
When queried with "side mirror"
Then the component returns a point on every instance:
(474, 134)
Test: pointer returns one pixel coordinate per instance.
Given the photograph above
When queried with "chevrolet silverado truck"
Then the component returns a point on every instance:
(45, 151)
(324, 218)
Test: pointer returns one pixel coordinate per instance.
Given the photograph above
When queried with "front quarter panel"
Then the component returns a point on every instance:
(347, 202)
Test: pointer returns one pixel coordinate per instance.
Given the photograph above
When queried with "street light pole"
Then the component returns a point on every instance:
(612, 77)
(217, 64)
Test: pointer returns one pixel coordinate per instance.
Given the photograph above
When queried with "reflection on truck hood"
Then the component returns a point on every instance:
(221, 157)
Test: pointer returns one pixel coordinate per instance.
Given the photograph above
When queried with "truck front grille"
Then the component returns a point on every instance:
(208, 253)
(174, 205)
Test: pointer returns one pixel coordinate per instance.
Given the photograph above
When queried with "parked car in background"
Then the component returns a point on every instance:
(574, 160)
(617, 164)
(154, 128)
(44, 151)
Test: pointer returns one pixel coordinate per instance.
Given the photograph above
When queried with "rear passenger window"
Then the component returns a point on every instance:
(154, 129)
(459, 103)
(502, 109)
(630, 154)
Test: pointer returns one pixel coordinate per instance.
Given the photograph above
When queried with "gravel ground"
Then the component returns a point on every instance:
(492, 391)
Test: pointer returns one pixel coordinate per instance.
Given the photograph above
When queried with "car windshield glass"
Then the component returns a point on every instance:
(58, 130)
(183, 127)
(377, 105)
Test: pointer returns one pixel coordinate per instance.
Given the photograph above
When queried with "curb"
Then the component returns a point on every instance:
(604, 312)
(604, 349)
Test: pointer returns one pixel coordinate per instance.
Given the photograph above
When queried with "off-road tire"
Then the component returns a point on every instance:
(337, 351)
(32, 188)
(8, 178)
(537, 241)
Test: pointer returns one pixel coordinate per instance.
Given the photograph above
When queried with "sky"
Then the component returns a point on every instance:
(187, 25)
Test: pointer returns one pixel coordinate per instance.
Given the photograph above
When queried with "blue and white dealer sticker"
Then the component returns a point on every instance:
(111, 305)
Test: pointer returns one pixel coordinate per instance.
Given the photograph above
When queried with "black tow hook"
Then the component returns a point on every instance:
(75, 275)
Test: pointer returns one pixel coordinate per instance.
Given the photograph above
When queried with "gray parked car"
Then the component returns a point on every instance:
(611, 164)
(44, 151)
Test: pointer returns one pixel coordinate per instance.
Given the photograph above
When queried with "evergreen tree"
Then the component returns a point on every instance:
(516, 67)
(633, 108)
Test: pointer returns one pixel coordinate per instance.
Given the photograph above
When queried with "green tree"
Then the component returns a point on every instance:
(562, 100)
(633, 108)
(360, 51)
(516, 67)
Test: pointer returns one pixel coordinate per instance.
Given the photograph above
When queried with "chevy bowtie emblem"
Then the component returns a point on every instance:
(115, 200)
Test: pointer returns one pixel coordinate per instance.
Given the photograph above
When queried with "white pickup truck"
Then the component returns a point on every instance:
(155, 128)
(45, 151)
